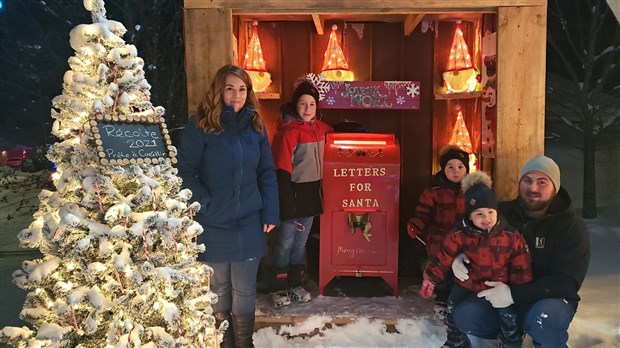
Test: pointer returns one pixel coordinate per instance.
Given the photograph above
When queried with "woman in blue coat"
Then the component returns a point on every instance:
(225, 160)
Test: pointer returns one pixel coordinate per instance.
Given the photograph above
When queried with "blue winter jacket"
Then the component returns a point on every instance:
(232, 176)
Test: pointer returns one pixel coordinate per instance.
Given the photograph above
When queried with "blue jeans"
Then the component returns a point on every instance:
(292, 237)
(234, 283)
(546, 321)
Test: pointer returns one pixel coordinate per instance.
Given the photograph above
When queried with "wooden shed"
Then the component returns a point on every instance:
(394, 40)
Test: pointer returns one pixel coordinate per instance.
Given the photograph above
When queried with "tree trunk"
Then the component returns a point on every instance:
(589, 176)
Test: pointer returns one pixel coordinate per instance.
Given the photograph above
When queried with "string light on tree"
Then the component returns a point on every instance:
(460, 75)
(118, 265)
(255, 64)
(335, 67)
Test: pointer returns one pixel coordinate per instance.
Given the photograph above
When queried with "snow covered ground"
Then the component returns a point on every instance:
(346, 321)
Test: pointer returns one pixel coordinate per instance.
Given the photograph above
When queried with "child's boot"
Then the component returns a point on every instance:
(297, 292)
(279, 284)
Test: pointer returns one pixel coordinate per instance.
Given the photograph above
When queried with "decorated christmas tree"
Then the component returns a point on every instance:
(117, 234)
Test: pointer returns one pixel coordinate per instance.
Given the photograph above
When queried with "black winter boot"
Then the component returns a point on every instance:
(243, 330)
(280, 279)
(229, 338)
(510, 336)
(279, 286)
(297, 292)
(456, 338)
(296, 275)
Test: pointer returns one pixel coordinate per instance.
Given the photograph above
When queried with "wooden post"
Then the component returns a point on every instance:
(208, 46)
(521, 52)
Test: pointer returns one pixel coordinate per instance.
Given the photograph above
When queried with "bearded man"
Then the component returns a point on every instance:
(560, 247)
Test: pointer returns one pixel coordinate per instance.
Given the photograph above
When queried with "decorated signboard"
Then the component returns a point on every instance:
(385, 95)
(489, 95)
(132, 139)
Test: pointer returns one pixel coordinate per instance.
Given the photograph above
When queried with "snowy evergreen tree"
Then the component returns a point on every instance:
(118, 240)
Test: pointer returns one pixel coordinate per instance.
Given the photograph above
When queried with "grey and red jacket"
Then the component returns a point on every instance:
(297, 150)
(437, 211)
(560, 245)
(500, 254)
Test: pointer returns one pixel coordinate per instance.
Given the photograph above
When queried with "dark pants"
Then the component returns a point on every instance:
(546, 320)
(509, 330)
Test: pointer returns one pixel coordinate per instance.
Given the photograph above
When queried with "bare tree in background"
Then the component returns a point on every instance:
(34, 48)
(584, 49)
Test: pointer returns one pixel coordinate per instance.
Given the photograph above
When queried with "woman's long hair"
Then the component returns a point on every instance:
(210, 108)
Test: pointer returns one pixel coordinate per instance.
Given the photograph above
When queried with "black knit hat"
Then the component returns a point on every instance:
(478, 192)
(452, 152)
(305, 87)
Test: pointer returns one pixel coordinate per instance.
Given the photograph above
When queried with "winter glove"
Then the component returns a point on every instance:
(459, 268)
(427, 288)
(499, 294)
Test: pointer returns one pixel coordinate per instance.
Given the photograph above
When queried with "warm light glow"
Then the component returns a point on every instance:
(335, 67)
(55, 176)
(461, 81)
(260, 80)
(359, 142)
(473, 162)
(460, 75)
(255, 64)
(460, 135)
(459, 52)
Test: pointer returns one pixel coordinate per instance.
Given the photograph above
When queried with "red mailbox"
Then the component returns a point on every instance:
(359, 226)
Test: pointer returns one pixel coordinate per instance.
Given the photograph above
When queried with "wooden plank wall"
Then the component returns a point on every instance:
(379, 51)
(205, 51)
(521, 53)
(374, 51)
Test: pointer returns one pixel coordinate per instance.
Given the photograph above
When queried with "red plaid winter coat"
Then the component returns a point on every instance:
(437, 211)
(499, 255)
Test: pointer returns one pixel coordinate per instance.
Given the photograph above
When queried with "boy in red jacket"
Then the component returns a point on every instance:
(438, 210)
(496, 253)
(298, 154)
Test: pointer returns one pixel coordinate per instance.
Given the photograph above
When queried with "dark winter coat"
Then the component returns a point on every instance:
(560, 246)
(298, 154)
(436, 213)
(232, 176)
(497, 255)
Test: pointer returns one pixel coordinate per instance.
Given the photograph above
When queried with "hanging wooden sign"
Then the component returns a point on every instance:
(385, 95)
(126, 139)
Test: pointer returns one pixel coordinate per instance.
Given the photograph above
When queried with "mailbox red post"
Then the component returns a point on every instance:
(359, 226)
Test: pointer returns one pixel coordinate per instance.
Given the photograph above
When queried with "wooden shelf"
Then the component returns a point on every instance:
(261, 95)
(466, 95)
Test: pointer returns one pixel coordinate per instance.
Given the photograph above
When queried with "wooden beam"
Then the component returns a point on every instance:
(359, 6)
(521, 53)
(208, 46)
(318, 23)
(411, 21)
(614, 5)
